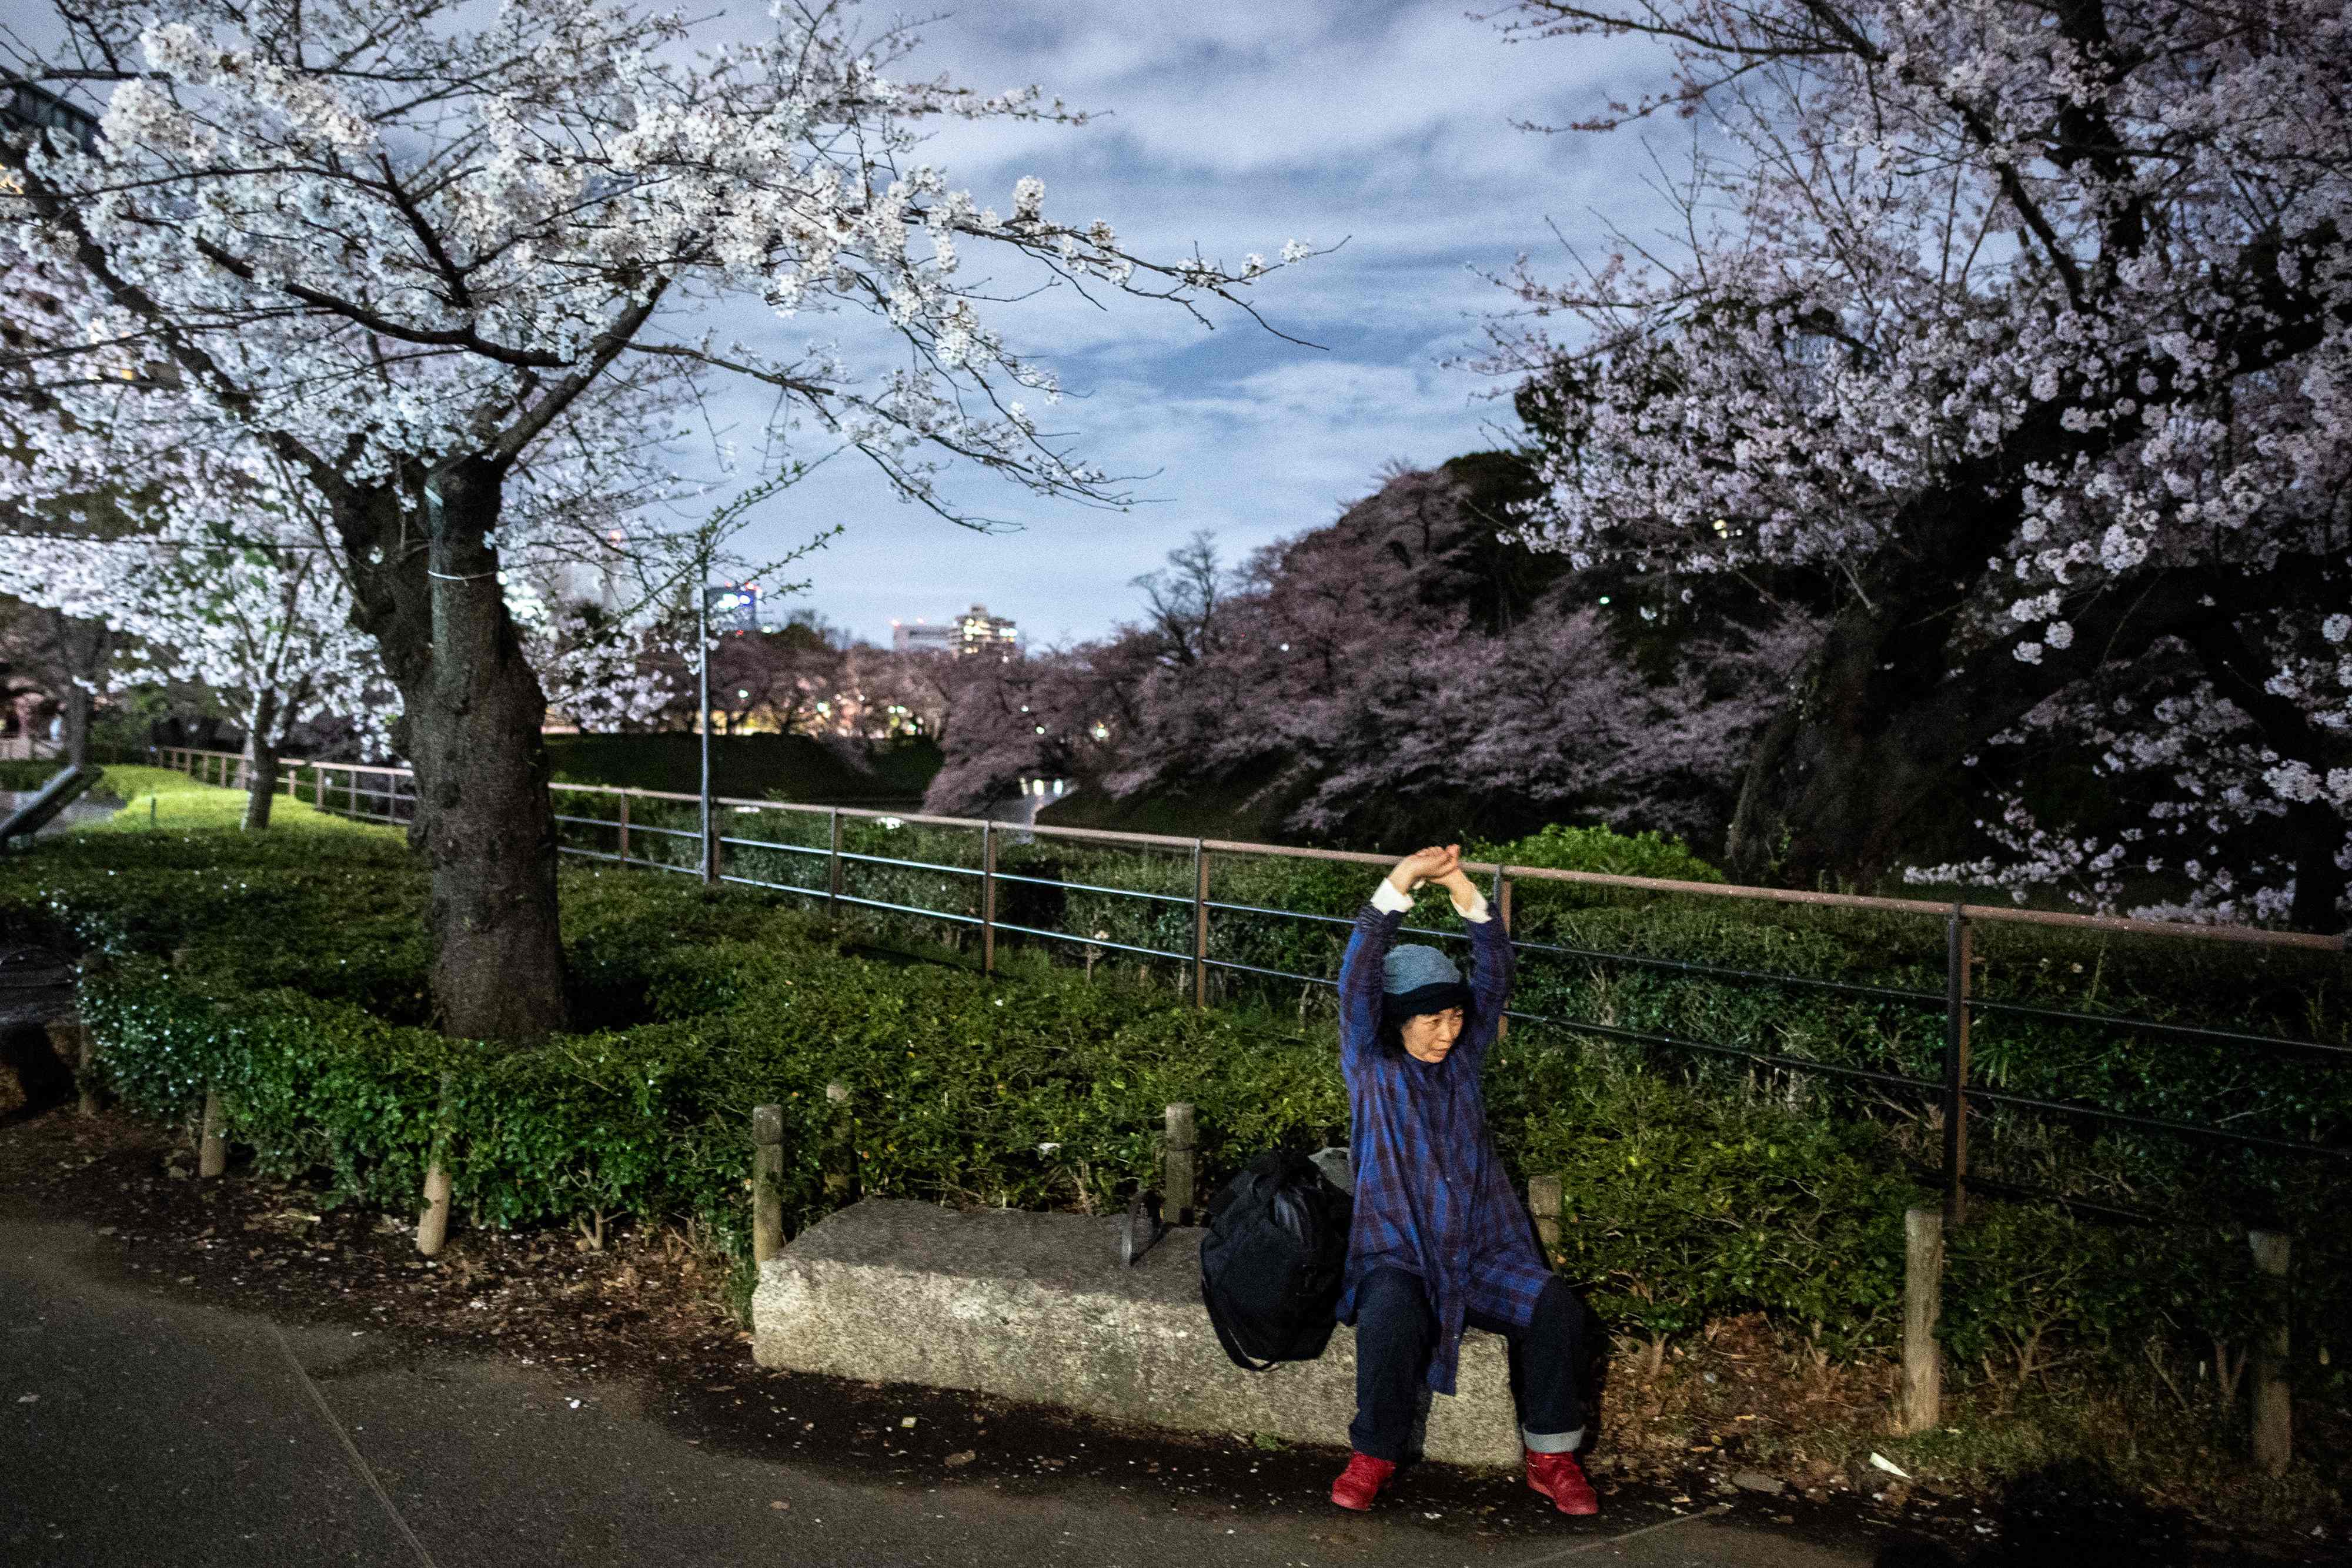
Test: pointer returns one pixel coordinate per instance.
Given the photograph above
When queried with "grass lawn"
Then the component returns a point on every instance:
(160, 799)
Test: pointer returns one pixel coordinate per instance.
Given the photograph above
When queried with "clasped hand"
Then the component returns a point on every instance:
(1438, 864)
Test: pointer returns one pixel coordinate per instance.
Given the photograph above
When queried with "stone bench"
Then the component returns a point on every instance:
(1035, 1307)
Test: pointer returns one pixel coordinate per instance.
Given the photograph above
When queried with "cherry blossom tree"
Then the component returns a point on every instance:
(441, 260)
(246, 604)
(2022, 329)
(1394, 675)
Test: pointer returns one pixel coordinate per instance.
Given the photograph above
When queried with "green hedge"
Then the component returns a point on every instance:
(288, 973)
(2217, 985)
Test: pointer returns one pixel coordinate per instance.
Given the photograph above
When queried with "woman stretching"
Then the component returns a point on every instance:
(1440, 1239)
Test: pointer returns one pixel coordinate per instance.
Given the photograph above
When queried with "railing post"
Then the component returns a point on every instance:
(987, 897)
(1546, 1196)
(625, 827)
(1179, 1158)
(1200, 923)
(710, 845)
(1923, 1303)
(2274, 1428)
(1502, 911)
(832, 871)
(1960, 953)
(767, 1182)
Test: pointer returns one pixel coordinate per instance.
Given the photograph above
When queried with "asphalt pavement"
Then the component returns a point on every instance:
(141, 1430)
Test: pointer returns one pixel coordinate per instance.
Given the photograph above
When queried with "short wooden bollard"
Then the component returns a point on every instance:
(433, 1220)
(1177, 1200)
(70, 1042)
(432, 1224)
(2274, 1433)
(767, 1182)
(841, 1154)
(1923, 1303)
(212, 1147)
(1546, 1196)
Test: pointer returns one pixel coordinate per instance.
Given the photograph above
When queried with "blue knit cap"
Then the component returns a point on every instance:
(1415, 980)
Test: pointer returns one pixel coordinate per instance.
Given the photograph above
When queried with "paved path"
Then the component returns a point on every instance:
(138, 1429)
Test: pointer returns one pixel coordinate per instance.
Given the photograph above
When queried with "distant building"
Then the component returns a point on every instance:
(973, 631)
(30, 109)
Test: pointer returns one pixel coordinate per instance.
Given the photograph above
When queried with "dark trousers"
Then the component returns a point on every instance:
(1395, 1331)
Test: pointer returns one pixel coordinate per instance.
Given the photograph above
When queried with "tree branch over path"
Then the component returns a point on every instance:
(409, 252)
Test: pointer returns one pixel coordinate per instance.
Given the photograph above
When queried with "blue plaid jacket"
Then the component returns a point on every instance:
(1431, 1196)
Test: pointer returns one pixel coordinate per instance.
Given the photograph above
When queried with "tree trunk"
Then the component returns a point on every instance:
(1859, 767)
(260, 764)
(1862, 766)
(76, 740)
(82, 647)
(473, 709)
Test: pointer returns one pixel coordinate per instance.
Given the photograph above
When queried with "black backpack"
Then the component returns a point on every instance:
(1272, 1261)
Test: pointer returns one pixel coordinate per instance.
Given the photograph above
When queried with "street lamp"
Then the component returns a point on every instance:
(702, 711)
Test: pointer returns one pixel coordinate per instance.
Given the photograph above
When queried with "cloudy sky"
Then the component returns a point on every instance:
(1237, 125)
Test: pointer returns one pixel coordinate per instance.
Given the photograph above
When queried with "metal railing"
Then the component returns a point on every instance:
(391, 789)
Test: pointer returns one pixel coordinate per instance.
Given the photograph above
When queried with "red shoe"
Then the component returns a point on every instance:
(1361, 1481)
(1560, 1477)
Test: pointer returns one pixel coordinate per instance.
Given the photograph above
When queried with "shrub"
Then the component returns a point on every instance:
(1559, 847)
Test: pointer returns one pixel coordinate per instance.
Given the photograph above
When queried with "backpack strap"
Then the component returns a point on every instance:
(1225, 1337)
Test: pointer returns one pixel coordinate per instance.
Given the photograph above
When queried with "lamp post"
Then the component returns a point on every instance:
(702, 716)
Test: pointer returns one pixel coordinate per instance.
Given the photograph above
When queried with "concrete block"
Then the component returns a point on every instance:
(1035, 1307)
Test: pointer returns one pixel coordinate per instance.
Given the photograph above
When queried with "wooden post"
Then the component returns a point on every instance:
(625, 827)
(767, 1182)
(69, 1040)
(1200, 923)
(212, 1150)
(2274, 1433)
(1960, 953)
(832, 871)
(1502, 911)
(1547, 1196)
(433, 1221)
(1177, 1202)
(841, 1155)
(987, 897)
(432, 1224)
(1923, 1303)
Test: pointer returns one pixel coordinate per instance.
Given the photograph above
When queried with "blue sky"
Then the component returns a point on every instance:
(1238, 127)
